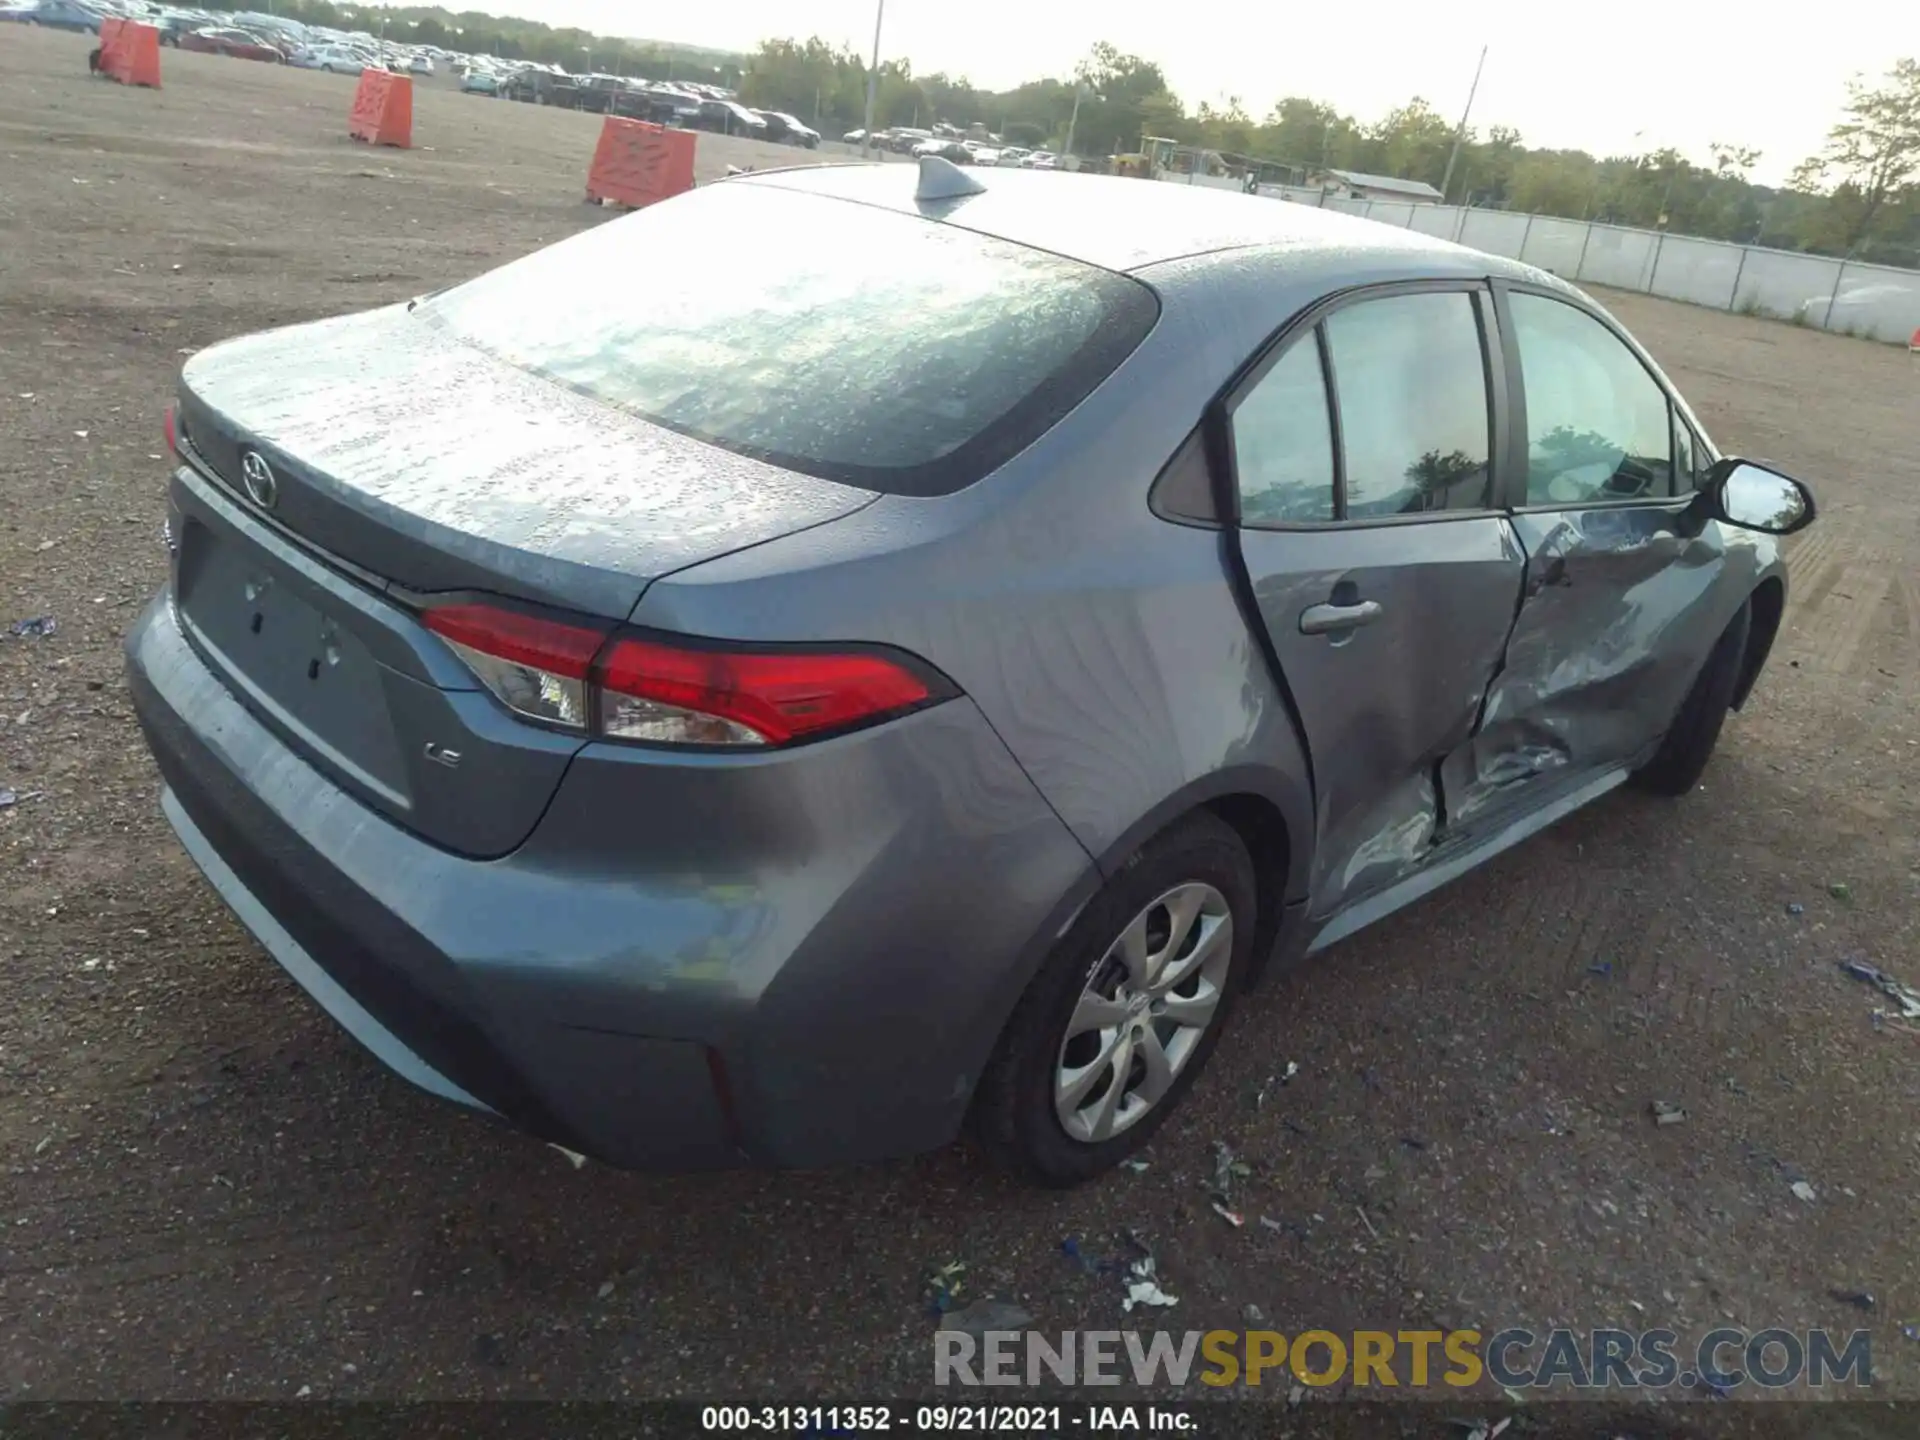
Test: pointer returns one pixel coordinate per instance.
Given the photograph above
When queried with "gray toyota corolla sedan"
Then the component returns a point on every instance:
(709, 700)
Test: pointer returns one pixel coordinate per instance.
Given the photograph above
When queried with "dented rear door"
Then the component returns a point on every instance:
(1383, 575)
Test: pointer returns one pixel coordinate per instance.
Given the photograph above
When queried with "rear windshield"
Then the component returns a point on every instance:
(865, 346)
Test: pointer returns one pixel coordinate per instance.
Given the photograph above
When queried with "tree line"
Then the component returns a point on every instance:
(1859, 196)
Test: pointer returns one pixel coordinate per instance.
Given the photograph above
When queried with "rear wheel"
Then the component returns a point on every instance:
(1682, 757)
(1126, 1010)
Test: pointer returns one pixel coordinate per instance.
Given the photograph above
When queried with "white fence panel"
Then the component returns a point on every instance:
(1782, 285)
(1701, 272)
(1876, 302)
(1442, 221)
(1498, 232)
(1617, 257)
(1871, 301)
(1306, 195)
(1555, 245)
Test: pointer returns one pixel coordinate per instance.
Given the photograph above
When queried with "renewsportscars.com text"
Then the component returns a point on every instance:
(1722, 1360)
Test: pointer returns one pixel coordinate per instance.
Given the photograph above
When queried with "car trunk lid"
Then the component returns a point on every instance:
(428, 462)
(403, 467)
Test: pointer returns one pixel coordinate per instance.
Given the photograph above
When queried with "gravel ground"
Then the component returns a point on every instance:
(209, 1191)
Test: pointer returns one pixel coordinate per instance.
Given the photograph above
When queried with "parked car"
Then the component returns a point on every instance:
(657, 105)
(172, 24)
(237, 43)
(1011, 156)
(957, 151)
(542, 87)
(724, 117)
(1852, 308)
(1039, 160)
(854, 137)
(420, 65)
(793, 131)
(598, 92)
(480, 82)
(62, 15)
(862, 770)
(788, 130)
(334, 59)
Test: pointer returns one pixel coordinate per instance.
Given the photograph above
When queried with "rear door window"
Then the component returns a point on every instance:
(871, 348)
(1411, 379)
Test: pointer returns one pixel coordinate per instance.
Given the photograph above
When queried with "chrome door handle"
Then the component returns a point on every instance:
(1338, 619)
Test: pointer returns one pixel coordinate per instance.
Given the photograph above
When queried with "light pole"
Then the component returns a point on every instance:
(1461, 134)
(587, 50)
(873, 78)
(1080, 92)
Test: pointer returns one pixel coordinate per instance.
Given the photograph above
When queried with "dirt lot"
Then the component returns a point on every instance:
(208, 1190)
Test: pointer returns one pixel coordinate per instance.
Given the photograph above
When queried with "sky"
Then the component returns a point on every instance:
(1624, 77)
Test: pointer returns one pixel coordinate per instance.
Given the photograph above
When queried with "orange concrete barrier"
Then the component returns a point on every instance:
(383, 109)
(637, 163)
(1913, 345)
(130, 52)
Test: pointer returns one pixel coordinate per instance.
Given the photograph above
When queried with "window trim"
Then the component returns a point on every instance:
(1310, 323)
(1676, 423)
(1515, 494)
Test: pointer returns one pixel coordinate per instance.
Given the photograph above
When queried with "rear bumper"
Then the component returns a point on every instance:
(690, 964)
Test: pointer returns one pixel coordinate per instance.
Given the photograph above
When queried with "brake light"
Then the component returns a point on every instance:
(651, 691)
(660, 692)
(171, 427)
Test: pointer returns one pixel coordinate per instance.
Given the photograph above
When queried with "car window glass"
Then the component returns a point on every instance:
(1412, 390)
(874, 349)
(1283, 442)
(1597, 421)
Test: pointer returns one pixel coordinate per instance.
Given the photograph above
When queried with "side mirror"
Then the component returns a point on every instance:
(1756, 497)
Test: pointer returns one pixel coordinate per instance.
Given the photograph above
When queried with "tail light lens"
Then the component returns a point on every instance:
(170, 424)
(537, 668)
(676, 693)
(651, 691)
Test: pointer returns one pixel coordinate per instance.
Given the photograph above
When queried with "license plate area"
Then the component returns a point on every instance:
(263, 627)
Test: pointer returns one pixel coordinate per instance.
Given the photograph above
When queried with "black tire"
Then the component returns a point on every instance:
(1013, 1113)
(1682, 757)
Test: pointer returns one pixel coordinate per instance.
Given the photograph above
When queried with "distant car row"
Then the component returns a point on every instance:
(60, 14)
(243, 36)
(687, 107)
(921, 143)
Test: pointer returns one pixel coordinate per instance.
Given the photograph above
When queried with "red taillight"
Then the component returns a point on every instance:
(774, 696)
(171, 427)
(663, 693)
(566, 650)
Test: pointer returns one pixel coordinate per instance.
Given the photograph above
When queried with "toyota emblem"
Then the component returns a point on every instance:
(261, 486)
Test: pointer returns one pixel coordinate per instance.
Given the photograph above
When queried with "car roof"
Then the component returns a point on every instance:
(1123, 223)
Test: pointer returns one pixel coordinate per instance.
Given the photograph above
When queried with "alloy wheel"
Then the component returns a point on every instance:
(1146, 1005)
